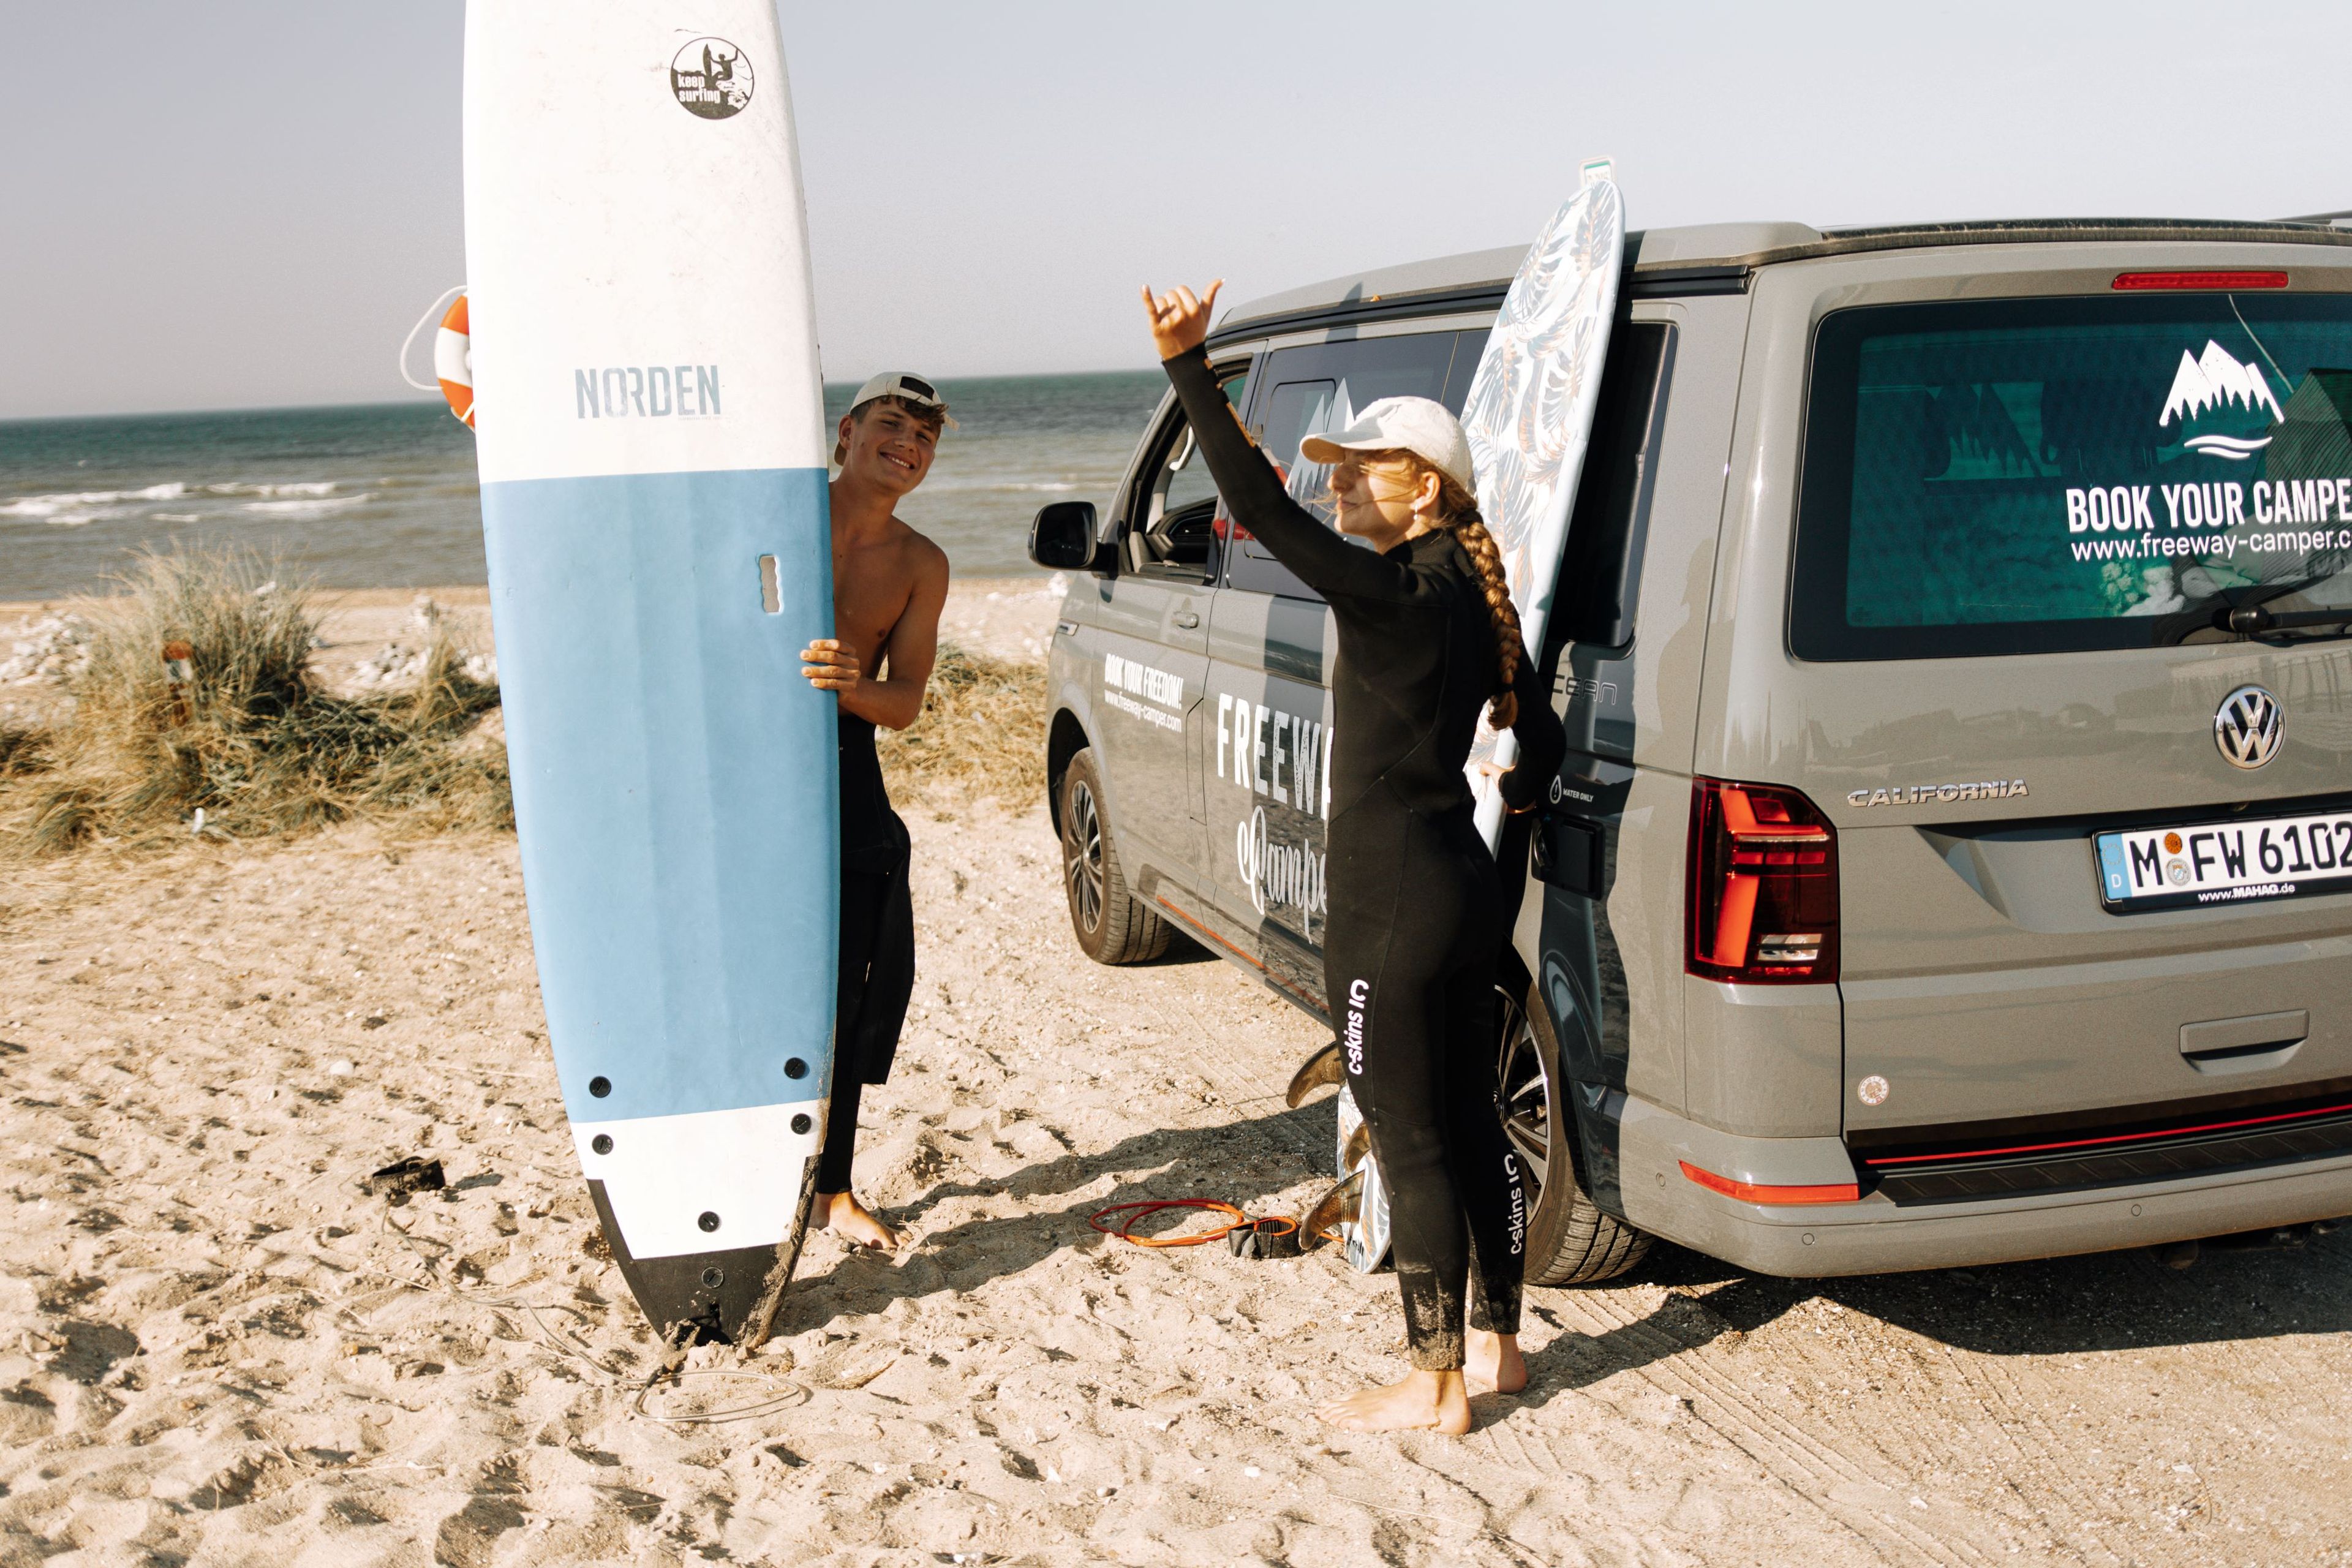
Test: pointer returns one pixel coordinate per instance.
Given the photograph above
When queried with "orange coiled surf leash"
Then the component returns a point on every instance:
(1244, 1237)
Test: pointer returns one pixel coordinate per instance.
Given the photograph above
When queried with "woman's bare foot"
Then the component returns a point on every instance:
(842, 1212)
(1423, 1400)
(1493, 1361)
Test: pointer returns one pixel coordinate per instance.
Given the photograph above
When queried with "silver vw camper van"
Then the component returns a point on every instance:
(1953, 860)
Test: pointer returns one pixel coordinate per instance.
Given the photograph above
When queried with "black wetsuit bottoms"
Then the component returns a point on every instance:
(876, 947)
(1409, 959)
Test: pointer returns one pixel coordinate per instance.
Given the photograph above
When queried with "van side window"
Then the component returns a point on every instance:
(1600, 569)
(1469, 348)
(1166, 533)
(1318, 387)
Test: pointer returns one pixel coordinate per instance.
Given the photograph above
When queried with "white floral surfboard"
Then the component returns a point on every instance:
(1529, 414)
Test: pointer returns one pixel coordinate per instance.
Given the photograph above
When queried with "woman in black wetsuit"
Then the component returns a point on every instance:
(1427, 638)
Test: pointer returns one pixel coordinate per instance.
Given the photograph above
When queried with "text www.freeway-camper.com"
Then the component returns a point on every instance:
(2301, 541)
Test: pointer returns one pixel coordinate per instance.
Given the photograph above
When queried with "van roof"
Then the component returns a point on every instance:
(1718, 258)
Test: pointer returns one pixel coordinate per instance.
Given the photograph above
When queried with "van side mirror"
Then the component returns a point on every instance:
(1062, 539)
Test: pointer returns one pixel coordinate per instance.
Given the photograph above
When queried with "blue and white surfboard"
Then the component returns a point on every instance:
(653, 466)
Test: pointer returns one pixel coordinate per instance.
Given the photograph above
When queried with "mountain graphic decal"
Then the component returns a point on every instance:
(2216, 380)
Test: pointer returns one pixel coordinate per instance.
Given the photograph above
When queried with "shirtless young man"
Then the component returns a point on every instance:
(889, 584)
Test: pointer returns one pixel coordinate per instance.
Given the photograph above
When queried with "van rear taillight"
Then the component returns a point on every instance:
(2134, 281)
(1762, 891)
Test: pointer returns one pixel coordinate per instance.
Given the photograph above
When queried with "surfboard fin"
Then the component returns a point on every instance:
(1324, 1069)
(1322, 1221)
(1358, 1144)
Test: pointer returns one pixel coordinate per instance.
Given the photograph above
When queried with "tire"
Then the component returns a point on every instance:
(1570, 1240)
(1112, 925)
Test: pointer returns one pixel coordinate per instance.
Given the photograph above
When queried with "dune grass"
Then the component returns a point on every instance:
(983, 733)
(24, 751)
(249, 737)
(253, 742)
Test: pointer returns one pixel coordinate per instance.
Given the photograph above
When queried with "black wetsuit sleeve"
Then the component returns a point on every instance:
(1542, 741)
(1253, 493)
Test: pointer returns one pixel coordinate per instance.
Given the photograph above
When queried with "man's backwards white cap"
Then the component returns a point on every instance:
(1412, 425)
(898, 383)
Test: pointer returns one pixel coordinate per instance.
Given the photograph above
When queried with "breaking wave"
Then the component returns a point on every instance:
(77, 508)
(308, 506)
(70, 508)
(308, 487)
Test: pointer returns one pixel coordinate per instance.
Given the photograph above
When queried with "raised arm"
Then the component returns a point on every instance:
(1253, 490)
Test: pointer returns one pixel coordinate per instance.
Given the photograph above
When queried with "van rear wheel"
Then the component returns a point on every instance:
(1112, 925)
(1570, 1240)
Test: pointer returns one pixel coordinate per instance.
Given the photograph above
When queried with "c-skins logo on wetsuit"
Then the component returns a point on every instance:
(1519, 1204)
(1351, 1038)
(710, 77)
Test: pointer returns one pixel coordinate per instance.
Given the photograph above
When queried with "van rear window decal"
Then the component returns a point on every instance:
(2037, 475)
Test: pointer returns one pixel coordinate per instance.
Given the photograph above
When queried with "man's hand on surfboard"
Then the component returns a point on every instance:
(1180, 320)
(830, 665)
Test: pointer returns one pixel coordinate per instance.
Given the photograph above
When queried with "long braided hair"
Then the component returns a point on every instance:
(1457, 513)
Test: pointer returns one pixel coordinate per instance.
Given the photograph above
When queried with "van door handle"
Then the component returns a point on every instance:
(1186, 619)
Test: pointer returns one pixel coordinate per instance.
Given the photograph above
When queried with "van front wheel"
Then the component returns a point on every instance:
(1112, 925)
(1570, 1240)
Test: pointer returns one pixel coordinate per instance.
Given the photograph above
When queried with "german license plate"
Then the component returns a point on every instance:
(2216, 863)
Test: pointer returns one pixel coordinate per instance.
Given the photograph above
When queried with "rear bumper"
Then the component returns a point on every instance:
(1872, 1235)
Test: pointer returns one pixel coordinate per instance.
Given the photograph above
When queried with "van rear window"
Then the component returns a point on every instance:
(2029, 475)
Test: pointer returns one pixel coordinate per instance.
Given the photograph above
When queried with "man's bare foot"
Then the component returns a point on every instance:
(842, 1212)
(1424, 1401)
(1493, 1361)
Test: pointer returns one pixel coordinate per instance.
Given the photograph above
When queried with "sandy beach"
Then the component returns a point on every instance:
(216, 1348)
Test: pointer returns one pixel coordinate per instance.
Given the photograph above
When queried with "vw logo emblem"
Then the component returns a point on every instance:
(2249, 727)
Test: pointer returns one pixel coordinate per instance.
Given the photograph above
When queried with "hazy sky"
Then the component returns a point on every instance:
(237, 204)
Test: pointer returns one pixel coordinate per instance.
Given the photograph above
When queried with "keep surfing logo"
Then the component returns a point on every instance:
(711, 79)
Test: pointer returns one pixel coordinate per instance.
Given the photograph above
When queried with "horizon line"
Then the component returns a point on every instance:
(422, 400)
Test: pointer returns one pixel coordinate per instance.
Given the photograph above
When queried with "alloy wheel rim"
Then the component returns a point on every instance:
(1525, 1093)
(1082, 856)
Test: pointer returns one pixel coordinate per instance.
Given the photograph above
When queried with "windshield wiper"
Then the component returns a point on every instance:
(2261, 623)
(2251, 617)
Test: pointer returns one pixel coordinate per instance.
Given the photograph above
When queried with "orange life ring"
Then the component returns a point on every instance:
(453, 362)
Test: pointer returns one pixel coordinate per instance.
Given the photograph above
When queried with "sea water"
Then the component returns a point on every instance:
(385, 496)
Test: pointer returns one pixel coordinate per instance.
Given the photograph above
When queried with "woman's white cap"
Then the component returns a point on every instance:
(1412, 425)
